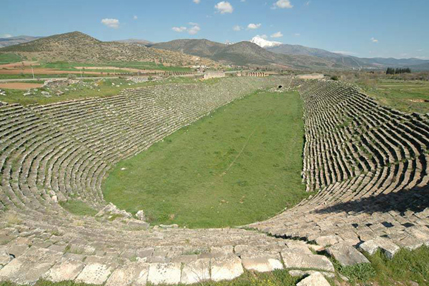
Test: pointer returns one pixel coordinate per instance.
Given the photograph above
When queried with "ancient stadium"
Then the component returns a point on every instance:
(244, 161)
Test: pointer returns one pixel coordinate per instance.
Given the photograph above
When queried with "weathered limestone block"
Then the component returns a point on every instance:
(5, 258)
(369, 246)
(196, 271)
(347, 255)
(164, 273)
(296, 259)
(328, 240)
(94, 273)
(65, 270)
(315, 279)
(140, 215)
(30, 266)
(386, 246)
(111, 210)
(262, 263)
(226, 268)
(129, 274)
(301, 245)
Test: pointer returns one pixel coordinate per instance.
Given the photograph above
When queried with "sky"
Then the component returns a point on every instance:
(363, 28)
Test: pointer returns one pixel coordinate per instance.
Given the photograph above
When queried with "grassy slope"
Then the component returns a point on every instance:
(78, 208)
(9, 58)
(239, 165)
(399, 94)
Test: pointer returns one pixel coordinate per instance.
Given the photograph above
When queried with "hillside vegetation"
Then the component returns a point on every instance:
(244, 53)
(79, 47)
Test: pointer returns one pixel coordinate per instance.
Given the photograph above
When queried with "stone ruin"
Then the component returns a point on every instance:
(366, 163)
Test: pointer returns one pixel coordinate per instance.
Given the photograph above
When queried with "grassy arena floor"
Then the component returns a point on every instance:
(239, 165)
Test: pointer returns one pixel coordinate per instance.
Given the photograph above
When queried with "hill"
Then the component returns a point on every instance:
(79, 47)
(5, 42)
(139, 42)
(242, 54)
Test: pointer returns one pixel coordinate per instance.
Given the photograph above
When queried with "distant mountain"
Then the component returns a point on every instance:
(5, 42)
(263, 43)
(392, 62)
(242, 54)
(138, 42)
(349, 61)
(79, 47)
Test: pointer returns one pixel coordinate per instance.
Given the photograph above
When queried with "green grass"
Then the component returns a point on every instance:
(78, 208)
(406, 266)
(9, 58)
(403, 95)
(238, 165)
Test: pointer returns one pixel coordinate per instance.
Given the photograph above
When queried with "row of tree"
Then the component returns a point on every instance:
(398, 70)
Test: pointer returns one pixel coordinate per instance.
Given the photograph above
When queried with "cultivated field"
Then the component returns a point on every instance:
(405, 95)
(238, 165)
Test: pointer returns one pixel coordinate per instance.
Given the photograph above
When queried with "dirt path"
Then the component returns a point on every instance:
(20, 85)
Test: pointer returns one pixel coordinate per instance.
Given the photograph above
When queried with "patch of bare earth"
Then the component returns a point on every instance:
(20, 85)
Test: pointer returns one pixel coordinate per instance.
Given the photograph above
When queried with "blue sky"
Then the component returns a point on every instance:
(364, 28)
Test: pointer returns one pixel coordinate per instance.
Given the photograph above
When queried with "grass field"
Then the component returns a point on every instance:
(408, 96)
(238, 165)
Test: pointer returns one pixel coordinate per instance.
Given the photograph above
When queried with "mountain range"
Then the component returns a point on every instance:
(259, 52)
(283, 55)
(10, 41)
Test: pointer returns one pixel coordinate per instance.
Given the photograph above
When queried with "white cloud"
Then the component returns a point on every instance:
(196, 1)
(252, 26)
(277, 35)
(283, 4)
(135, 17)
(262, 42)
(194, 29)
(297, 34)
(237, 28)
(374, 40)
(179, 29)
(111, 23)
(224, 7)
(344, 53)
(6, 36)
(307, 3)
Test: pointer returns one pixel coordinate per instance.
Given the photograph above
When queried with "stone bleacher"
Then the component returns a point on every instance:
(367, 164)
